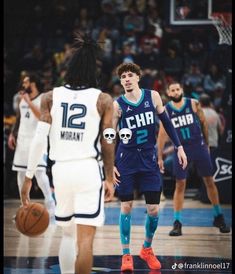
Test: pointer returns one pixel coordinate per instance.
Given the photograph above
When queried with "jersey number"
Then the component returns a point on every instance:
(185, 133)
(142, 136)
(69, 121)
(27, 115)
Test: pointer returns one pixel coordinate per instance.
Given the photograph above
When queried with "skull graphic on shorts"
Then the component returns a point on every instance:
(109, 135)
(125, 135)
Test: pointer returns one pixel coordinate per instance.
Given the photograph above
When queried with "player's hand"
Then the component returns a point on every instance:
(161, 165)
(182, 157)
(11, 141)
(26, 97)
(116, 174)
(109, 190)
(25, 191)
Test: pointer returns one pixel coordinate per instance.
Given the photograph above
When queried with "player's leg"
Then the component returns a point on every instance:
(64, 192)
(20, 180)
(85, 238)
(44, 184)
(213, 196)
(68, 243)
(150, 184)
(125, 225)
(178, 197)
(178, 201)
(151, 223)
(125, 192)
(152, 216)
(88, 207)
(205, 168)
(212, 192)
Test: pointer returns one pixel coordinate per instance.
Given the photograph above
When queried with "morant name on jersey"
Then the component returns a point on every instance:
(140, 120)
(182, 120)
(71, 136)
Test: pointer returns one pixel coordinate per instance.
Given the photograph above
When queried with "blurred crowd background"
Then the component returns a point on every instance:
(38, 37)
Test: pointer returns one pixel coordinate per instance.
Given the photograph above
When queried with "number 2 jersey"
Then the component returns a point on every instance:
(140, 118)
(186, 123)
(139, 154)
(74, 132)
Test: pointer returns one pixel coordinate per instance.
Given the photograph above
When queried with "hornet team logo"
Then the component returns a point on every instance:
(224, 169)
(109, 135)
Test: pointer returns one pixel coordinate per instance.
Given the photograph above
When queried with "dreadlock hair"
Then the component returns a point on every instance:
(125, 67)
(81, 70)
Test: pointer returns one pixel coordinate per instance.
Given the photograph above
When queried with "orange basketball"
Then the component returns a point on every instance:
(33, 220)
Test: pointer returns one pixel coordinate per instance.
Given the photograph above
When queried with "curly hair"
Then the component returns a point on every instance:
(125, 67)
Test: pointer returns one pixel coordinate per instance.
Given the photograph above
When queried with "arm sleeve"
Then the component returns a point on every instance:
(169, 128)
(36, 148)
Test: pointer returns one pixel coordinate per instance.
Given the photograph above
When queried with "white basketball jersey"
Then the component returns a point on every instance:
(28, 121)
(74, 132)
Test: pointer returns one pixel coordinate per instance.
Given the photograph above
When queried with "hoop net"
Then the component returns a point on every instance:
(223, 24)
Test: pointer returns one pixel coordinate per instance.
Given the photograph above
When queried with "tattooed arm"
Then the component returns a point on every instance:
(198, 110)
(46, 104)
(105, 109)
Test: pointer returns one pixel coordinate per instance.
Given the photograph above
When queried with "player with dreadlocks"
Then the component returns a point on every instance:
(74, 115)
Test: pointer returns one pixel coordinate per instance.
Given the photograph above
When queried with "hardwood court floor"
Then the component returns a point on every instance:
(201, 243)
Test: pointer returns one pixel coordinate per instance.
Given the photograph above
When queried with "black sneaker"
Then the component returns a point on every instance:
(176, 231)
(220, 223)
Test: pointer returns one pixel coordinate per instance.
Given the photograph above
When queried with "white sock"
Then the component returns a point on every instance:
(67, 251)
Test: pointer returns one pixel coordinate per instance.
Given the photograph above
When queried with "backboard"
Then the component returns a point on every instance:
(190, 12)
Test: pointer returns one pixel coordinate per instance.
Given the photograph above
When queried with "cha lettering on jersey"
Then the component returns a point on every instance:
(182, 120)
(140, 120)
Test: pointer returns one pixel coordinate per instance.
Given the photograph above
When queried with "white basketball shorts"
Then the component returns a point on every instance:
(79, 192)
(21, 155)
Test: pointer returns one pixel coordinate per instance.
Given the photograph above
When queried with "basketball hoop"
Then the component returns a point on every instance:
(223, 23)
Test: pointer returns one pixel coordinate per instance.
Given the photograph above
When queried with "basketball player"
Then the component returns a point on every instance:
(190, 123)
(22, 134)
(136, 161)
(74, 115)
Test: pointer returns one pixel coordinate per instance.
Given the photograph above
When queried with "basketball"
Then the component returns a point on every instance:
(33, 220)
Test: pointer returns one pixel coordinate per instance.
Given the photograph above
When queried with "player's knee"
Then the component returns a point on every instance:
(152, 210)
(41, 176)
(126, 207)
(209, 182)
(85, 243)
(180, 185)
(69, 231)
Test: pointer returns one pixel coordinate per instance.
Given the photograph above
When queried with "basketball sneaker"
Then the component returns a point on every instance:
(127, 263)
(220, 223)
(176, 231)
(148, 256)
